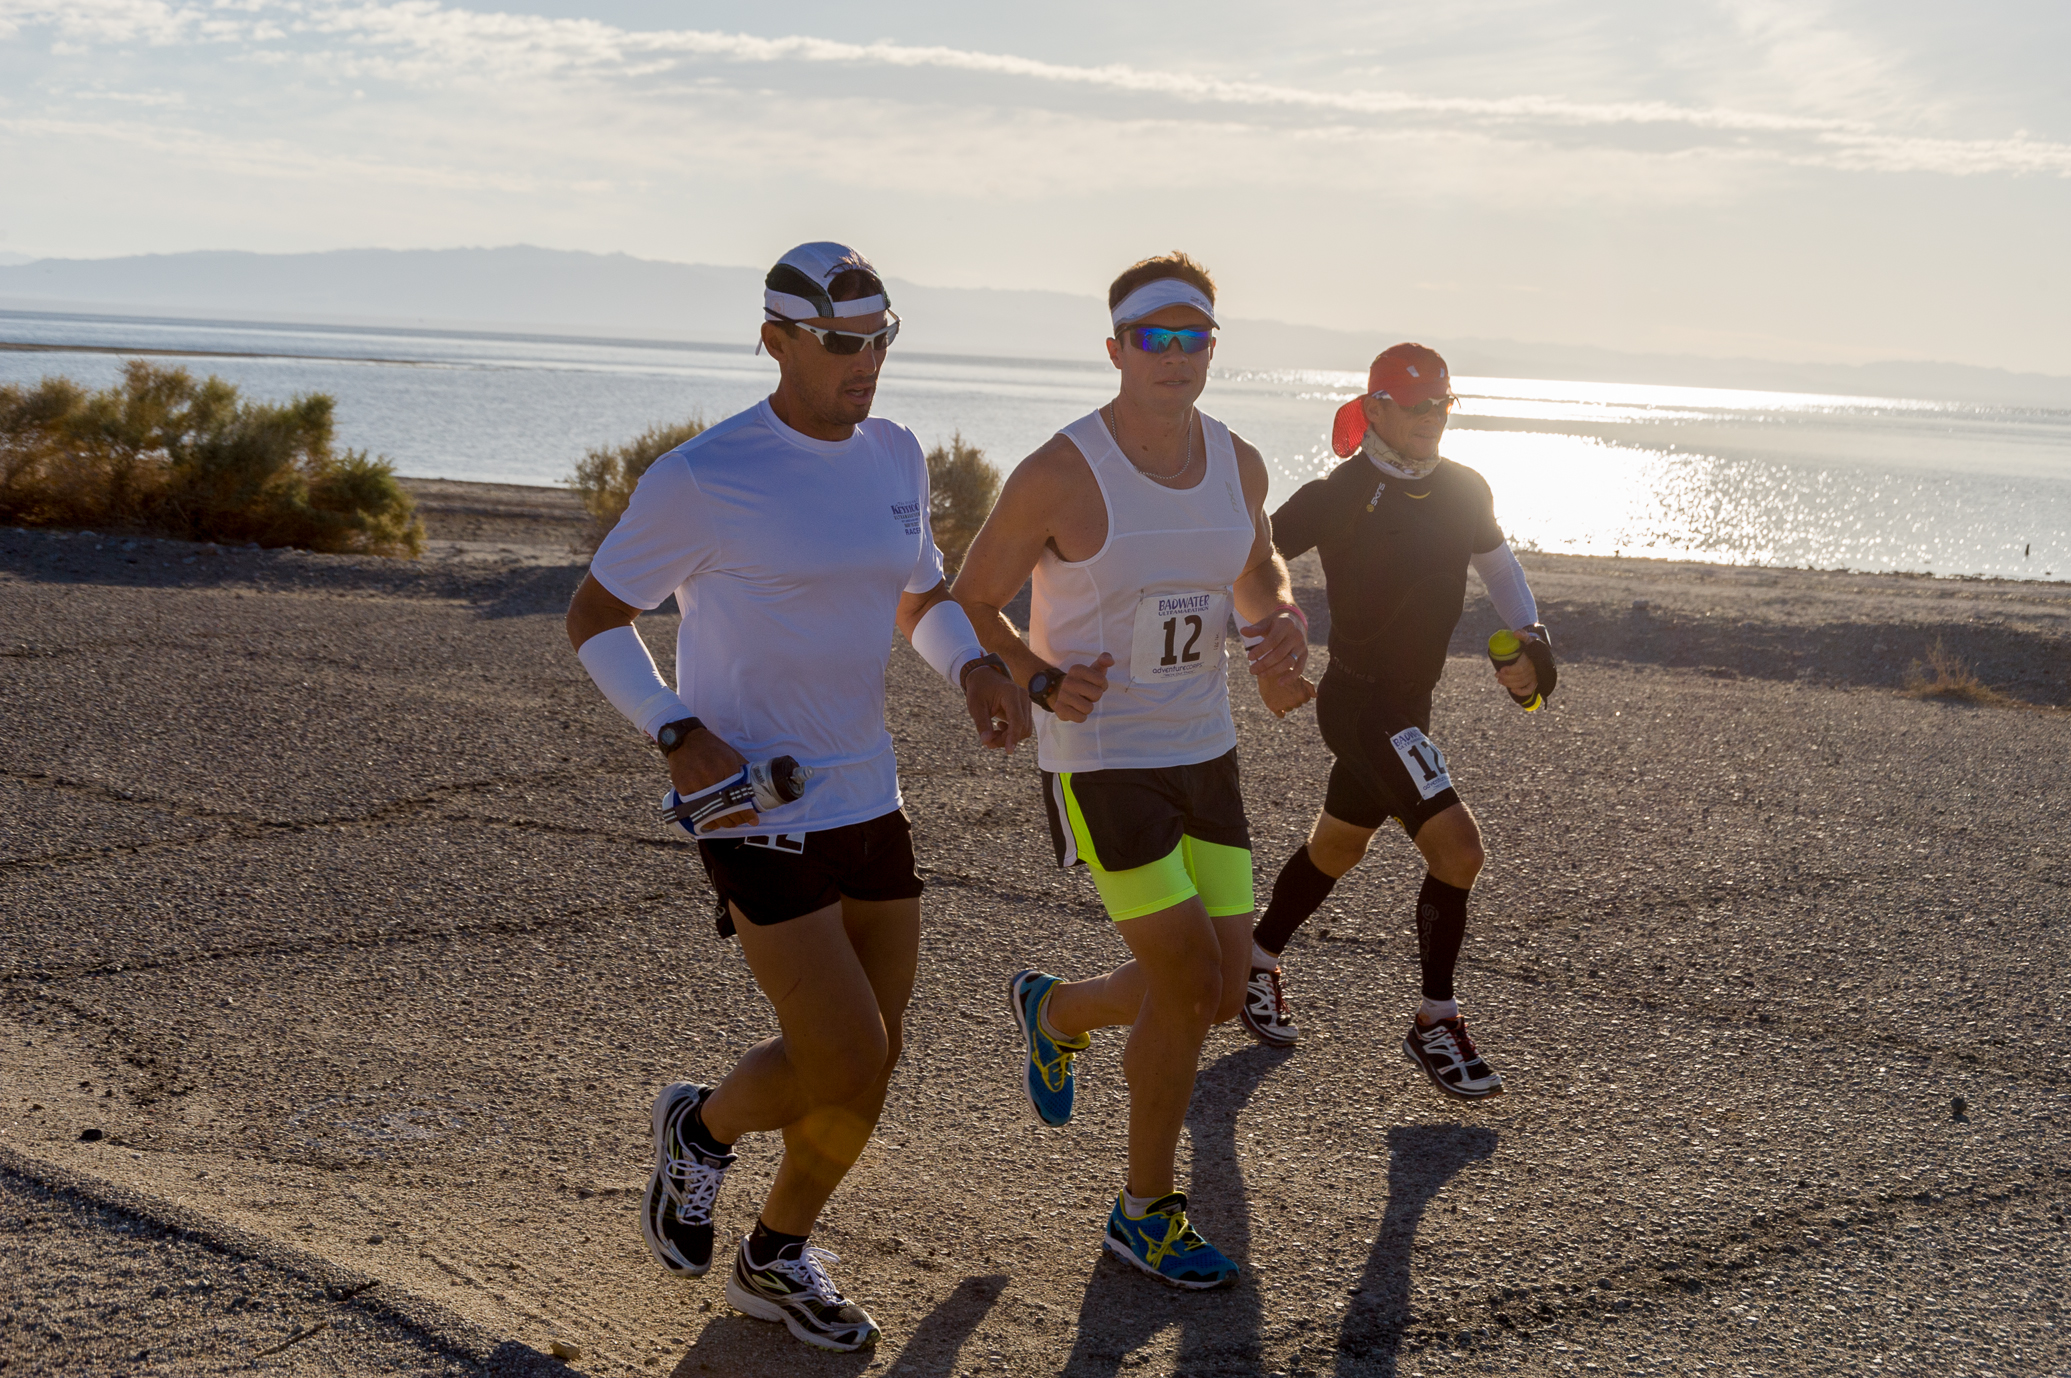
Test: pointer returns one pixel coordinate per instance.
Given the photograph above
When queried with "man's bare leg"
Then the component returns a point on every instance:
(839, 979)
(1169, 993)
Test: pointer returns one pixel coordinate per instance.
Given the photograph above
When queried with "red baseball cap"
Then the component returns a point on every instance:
(1406, 374)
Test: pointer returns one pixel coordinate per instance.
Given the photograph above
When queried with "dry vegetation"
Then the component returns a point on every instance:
(164, 454)
(1949, 679)
(605, 477)
(962, 488)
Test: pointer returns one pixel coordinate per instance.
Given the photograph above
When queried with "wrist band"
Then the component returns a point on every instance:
(946, 641)
(1299, 615)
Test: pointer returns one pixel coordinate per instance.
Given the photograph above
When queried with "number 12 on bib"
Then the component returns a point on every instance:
(1177, 635)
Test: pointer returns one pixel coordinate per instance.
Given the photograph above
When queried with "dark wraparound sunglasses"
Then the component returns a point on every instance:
(1156, 339)
(848, 341)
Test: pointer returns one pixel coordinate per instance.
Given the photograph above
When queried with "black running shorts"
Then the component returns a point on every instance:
(1136, 817)
(1387, 765)
(772, 879)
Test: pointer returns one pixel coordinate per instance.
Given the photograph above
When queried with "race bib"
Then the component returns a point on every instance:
(1178, 635)
(1423, 760)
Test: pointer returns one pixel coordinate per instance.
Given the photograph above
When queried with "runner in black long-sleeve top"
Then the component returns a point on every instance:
(1397, 528)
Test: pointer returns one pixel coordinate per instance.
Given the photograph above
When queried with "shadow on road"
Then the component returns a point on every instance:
(1219, 1331)
(1421, 1160)
(940, 1337)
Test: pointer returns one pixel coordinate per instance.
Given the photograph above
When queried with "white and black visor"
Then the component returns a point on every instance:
(797, 288)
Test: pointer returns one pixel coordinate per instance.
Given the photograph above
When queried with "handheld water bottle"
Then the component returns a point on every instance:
(763, 785)
(1505, 648)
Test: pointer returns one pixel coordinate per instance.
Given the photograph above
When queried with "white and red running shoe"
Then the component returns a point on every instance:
(1447, 1056)
(1265, 1010)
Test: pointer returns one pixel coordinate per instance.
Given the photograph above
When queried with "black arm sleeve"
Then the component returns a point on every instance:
(1298, 525)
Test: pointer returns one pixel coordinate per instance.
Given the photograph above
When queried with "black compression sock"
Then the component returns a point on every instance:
(766, 1245)
(702, 1137)
(1298, 893)
(1441, 926)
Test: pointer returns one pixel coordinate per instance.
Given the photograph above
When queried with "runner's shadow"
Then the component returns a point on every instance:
(738, 1347)
(1421, 1160)
(1122, 1310)
(939, 1339)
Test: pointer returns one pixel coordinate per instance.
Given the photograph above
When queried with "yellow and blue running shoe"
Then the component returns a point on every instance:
(1047, 1074)
(1164, 1245)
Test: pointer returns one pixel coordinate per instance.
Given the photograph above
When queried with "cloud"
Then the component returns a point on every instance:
(1824, 78)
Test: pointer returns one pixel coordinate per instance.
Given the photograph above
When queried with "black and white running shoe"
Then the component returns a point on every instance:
(1265, 1010)
(677, 1217)
(1447, 1056)
(796, 1290)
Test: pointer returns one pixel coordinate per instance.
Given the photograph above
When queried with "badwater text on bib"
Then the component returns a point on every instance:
(1178, 635)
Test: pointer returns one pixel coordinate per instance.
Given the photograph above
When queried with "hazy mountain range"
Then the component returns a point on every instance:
(525, 288)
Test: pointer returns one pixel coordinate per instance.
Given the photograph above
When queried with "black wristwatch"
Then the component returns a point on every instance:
(1043, 687)
(675, 734)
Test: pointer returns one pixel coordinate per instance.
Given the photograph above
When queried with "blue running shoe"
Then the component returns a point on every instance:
(1164, 1245)
(1048, 1075)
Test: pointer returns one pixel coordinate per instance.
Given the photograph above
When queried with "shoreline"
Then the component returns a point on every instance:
(518, 500)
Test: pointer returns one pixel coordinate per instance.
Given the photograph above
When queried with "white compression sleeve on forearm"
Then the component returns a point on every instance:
(1504, 578)
(946, 640)
(618, 661)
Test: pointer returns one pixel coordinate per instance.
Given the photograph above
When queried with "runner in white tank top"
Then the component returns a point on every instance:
(1143, 527)
(1155, 596)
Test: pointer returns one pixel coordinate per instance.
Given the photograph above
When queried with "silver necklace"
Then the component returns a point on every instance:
(1115, 434)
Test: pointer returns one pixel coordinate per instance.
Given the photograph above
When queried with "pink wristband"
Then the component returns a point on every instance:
(1299, 615)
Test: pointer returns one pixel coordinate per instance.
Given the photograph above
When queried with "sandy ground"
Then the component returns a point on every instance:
(331, 900)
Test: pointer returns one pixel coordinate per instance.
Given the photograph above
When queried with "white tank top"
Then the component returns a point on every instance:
(1156, 596)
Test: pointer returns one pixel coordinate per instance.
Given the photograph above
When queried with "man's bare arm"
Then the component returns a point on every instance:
(1005, 552)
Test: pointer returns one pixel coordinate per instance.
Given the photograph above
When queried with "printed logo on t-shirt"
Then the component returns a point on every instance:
(909, 513)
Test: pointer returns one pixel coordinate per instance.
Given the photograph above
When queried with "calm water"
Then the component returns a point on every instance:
(1594, 468)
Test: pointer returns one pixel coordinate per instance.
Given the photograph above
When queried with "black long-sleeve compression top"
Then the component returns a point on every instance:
(1395, 555)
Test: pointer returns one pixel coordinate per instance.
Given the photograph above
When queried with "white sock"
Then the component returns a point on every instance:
(1043, 1020)
(1138, 1206)
(1434, 1010)
(1262, 959)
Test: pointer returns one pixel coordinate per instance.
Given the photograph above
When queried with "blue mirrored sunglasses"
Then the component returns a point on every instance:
(1156, 339)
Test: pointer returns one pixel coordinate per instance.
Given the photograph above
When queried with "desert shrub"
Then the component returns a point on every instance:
(160, 452)
(962, 489)
(1950, 679)
(604, 478)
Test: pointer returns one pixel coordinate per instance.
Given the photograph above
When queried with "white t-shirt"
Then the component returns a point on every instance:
(787, 556)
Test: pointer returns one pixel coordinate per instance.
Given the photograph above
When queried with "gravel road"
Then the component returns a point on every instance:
(330, 899)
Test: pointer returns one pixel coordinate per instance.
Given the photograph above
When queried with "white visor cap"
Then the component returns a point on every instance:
(1156, 296)
(796, 289)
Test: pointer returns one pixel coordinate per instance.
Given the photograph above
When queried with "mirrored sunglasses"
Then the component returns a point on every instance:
(1427, 406)
(848, 341)
(1156, 339)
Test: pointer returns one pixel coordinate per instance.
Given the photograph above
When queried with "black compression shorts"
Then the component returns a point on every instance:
(1136, 817)
(1387, 766)
(772, 879)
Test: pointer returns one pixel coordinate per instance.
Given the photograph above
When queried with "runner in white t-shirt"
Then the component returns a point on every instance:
(1143, 525)
(794, 537)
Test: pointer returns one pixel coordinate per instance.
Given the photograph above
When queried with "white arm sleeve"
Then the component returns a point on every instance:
(947, 641)
(1504, 577)
(618, 661)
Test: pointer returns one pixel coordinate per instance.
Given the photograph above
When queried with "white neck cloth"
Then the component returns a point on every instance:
(1389, 462)
(1156, 296)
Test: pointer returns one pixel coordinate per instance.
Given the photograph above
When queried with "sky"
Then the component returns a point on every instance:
(1830, 182)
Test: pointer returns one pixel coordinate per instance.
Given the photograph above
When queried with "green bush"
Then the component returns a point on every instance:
(962, 489)
(605, 478)
(162, 453)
